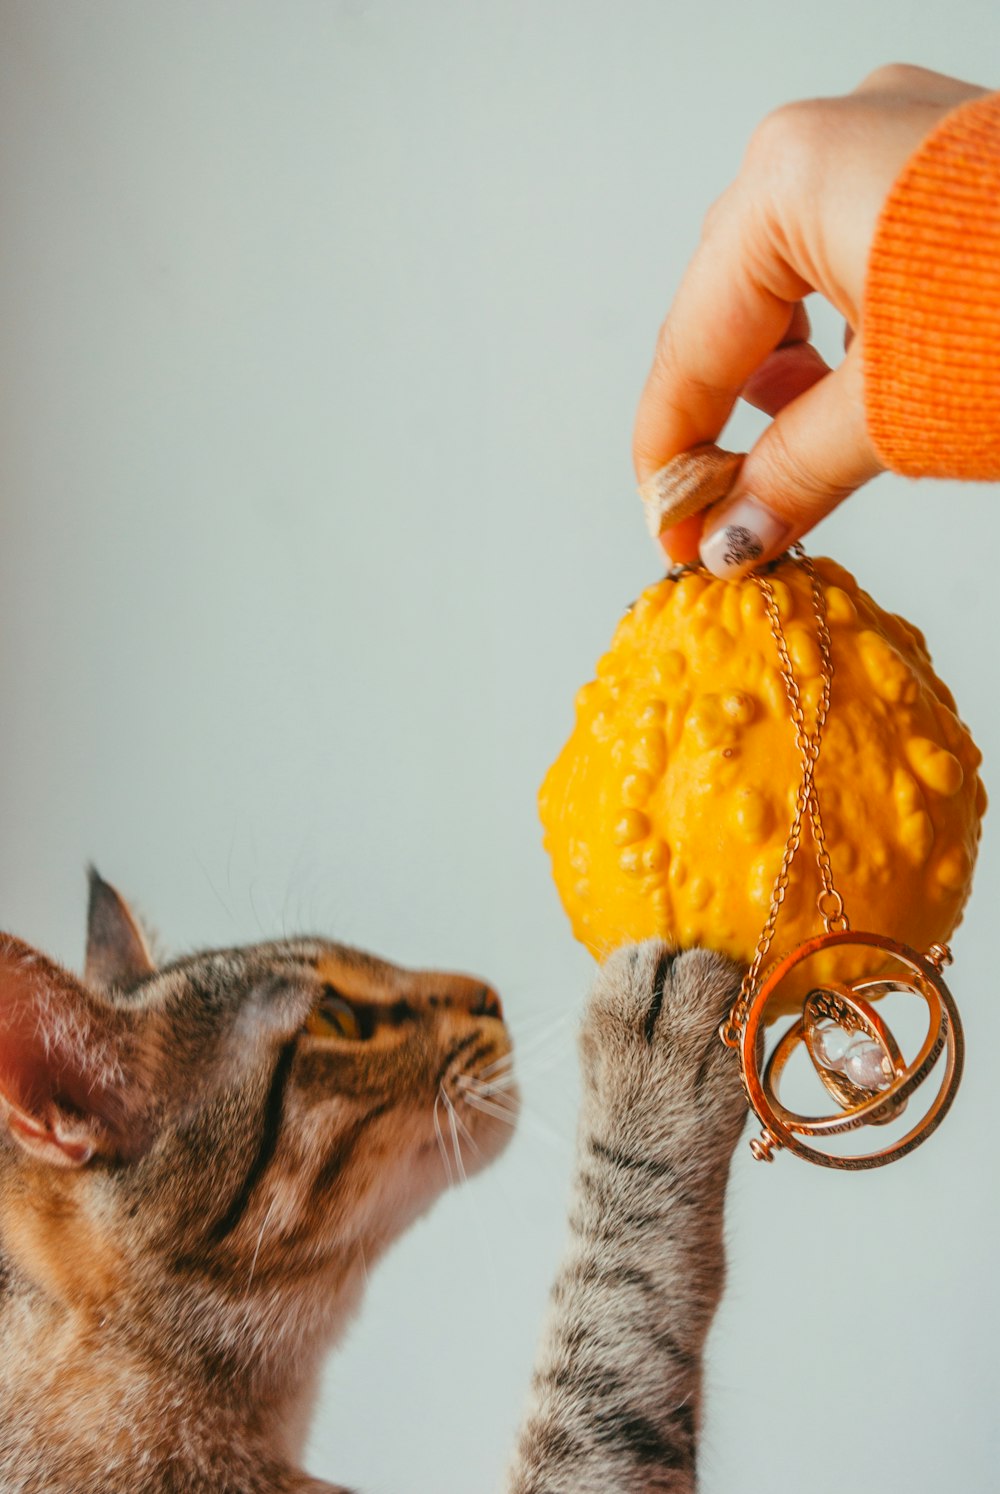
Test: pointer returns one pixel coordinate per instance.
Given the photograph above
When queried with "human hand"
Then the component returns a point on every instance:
(799, 218)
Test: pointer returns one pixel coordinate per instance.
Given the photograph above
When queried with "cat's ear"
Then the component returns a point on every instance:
(117, 953)
(70, 1085)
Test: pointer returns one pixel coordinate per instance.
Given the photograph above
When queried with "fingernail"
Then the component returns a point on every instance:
(747, 534)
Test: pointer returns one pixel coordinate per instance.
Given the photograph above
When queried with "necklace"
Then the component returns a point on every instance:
(851, 1048)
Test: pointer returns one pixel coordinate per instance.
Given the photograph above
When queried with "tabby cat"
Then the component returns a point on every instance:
(199, 1164)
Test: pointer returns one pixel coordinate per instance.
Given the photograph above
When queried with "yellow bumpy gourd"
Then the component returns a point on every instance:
(668, 809)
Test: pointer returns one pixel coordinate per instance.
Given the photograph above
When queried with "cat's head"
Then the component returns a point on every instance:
(238, 1117)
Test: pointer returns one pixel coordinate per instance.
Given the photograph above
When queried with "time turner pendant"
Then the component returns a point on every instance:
(853, 1052)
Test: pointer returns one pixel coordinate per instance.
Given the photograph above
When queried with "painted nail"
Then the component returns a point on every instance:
(746, 534)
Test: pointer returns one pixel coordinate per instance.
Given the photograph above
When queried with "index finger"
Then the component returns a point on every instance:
(727, 316)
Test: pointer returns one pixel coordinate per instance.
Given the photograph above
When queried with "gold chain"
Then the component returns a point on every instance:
(829, 902)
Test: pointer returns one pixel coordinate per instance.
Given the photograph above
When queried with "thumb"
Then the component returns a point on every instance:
(815, 453)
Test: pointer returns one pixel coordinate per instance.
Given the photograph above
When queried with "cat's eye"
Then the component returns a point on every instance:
(335, 1017)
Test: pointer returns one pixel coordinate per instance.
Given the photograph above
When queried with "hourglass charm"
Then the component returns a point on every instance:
(854, 1053)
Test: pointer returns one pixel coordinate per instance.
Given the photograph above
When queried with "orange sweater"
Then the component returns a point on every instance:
(931, 316)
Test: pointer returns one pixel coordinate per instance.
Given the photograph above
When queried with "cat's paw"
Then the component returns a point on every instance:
(653, 1062)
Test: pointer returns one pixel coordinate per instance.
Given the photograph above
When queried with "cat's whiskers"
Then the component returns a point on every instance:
(539, 1039)
(440, 1140)
(472, 1084)
(490, 1106)
(499, 1070)
(498, 1084)
(461, 1123)
(502, 1108)
(456, 1144)
(487, 1253)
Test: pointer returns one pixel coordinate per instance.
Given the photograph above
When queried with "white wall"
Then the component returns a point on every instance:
(324, 325)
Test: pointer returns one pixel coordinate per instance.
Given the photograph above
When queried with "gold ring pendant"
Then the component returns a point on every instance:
(853, 1053)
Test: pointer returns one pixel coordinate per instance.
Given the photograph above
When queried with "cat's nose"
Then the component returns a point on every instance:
(486, 1003)
(465, 993)
(473, 996)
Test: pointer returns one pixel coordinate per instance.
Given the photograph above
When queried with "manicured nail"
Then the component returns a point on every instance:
(746, 534)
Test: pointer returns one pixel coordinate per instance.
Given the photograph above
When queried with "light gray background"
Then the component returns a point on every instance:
(323, 329)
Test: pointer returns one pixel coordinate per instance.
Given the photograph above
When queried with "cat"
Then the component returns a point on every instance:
(198, 1166)
(200, 1163)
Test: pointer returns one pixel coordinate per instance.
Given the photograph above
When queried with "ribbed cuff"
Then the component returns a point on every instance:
(931, 316)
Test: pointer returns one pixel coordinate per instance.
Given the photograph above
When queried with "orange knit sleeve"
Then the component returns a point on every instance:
(931, 315)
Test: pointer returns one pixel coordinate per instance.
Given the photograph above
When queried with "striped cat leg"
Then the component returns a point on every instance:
(617, 1383)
